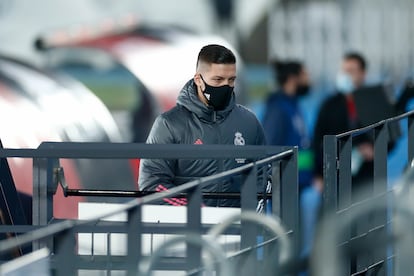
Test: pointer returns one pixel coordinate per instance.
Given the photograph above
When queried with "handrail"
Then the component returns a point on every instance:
(68, 224)
(359, 131)
(92, 150)
(339, 196)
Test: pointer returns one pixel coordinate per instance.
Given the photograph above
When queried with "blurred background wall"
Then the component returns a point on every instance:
(320, 31)
(22, 20)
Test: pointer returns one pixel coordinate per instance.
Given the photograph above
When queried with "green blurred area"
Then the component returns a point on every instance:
(259, 81)
(116, 96)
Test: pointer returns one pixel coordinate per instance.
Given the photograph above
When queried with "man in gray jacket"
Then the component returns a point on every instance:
(206, 113)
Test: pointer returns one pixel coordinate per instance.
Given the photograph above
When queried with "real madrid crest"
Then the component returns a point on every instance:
(238, 139)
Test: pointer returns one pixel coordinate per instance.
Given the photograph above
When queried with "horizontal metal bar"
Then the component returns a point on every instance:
(363, 203)
(359, 131)
(35, 235)
(100, 262)
(18, 228)
(119, 193)
(65, 225)
(119, 227)
(364, 271)
(85, 150)
(149, 228)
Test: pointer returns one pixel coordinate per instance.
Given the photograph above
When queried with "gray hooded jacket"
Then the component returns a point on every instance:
(192, 122)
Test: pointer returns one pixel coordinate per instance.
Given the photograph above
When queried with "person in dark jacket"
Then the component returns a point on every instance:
(206, 113)
(283, 113)
(338, 114)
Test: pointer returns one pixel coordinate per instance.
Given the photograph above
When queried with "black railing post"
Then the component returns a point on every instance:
(330, 173)
(65, 253)
(381, 138)
(43, 191)
(289, 196)
(249, 231)
(248, 203)
(344, 185)
(380, 159)
(276, 188)
(410, 139)
(194, 226)
(134, 246)
(344, 173)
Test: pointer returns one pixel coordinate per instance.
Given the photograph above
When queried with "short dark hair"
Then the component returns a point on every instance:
(214, 53)
(358, 58)
(285, 70)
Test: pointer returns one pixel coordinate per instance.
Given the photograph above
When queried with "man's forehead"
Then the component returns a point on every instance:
(220, 69)
(351, 63)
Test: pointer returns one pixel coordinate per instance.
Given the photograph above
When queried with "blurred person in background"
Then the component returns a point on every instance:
(338, 114)
(284, 125)
(206, 113)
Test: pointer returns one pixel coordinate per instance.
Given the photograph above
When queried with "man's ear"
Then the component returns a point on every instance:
(198, 81)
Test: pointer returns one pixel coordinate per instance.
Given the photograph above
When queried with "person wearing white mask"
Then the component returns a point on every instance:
(352, 74)
(338, 114)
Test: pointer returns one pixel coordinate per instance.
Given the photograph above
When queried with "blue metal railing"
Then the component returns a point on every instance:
(339, 195)
(59, 237)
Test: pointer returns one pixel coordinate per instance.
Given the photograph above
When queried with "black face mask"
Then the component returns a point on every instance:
(302, 90)
(218, 96)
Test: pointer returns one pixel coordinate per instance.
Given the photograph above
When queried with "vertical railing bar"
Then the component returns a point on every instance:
(381, 138)
(65, 253)
(344, 186)
(289, 197)
(134, 231)
(43, 190)
(330, 174)
(344, 173)
(108, 253)
(38, 176)
(276, 188)
(248, 203)
(380, 159)
(248, 230)
(403, 264)
(410, 140)
(194, 226)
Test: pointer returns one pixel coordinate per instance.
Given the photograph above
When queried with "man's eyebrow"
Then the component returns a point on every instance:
(221, 77)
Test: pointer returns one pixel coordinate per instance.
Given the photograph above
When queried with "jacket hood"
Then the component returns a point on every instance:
(188, 98)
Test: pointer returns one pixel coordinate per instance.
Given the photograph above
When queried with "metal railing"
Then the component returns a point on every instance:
(339, 197)
(60, 236)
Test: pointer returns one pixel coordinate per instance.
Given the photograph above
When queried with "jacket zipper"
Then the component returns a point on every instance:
(220, 161)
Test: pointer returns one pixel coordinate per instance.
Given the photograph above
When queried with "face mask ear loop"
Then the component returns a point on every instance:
(205, 84)
(205, 88)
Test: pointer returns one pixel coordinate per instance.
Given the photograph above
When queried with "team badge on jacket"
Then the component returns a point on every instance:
(238, 139)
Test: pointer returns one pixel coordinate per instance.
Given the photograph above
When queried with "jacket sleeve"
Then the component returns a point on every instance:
(274, 125)
(158, 174)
